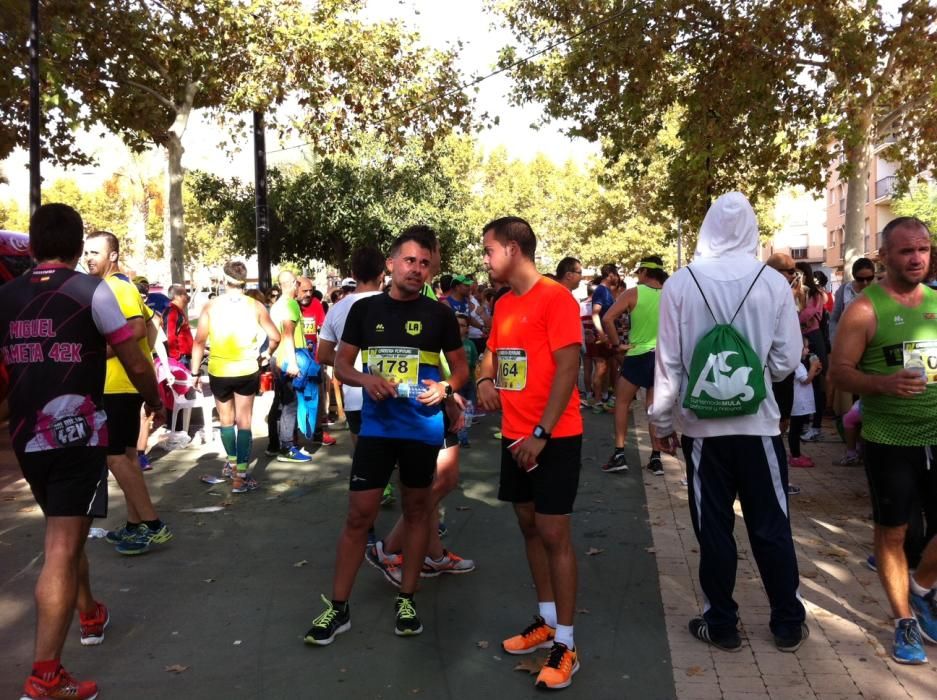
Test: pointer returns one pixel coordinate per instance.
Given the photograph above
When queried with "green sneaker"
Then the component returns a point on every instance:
(331, 622)
(144, 539)
(407, 624)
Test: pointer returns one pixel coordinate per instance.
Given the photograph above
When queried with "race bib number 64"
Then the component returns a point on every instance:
(512, 369)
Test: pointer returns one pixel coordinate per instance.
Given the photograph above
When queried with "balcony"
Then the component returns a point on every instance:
(800, 253)
(885, 187)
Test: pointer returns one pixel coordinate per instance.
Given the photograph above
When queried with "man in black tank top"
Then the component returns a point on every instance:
(55, 325)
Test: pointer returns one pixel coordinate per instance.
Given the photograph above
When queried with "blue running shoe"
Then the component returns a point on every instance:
(909, 647)
(293, 454)
(925, 610)
(122, 534)
(144, 539)
(871, 563)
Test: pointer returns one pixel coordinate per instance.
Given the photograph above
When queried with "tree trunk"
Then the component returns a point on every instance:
(176, 220)
(858, 157)
(176, 250)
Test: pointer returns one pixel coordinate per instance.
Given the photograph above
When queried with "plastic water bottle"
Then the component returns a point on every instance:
(410, 391)
(915, 363)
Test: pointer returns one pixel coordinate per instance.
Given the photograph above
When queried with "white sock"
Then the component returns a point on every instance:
(548, 612)
(918, 589)
(564, 635)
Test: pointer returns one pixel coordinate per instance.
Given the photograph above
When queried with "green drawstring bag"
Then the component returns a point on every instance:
(726, 377)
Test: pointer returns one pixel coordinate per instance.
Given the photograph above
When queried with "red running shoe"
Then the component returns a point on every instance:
(92, 627)
(61, 687)
(326, 439)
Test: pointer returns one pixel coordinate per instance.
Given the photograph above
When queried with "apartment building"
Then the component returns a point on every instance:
(802, 218)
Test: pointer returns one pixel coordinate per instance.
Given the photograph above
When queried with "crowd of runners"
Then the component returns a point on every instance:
(731, 354)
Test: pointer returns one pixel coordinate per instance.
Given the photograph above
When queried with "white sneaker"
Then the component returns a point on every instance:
(811, 435)
(450, 563)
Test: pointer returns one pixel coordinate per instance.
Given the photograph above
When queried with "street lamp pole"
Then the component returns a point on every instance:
(262, 226)
(35, 154)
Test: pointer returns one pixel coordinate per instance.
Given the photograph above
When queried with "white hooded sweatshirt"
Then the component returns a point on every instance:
(725, 265)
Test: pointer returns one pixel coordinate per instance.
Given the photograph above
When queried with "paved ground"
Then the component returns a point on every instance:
(850, 623)
(230, 598)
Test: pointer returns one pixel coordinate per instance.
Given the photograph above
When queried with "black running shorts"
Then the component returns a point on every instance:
(376, 457)
(68, 482)
(224, 388)
(899, 476)
(638, 369)
(552, 485)
(123, 421)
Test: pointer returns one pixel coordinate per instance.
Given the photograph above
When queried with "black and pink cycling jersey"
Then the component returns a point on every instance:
(55, 325)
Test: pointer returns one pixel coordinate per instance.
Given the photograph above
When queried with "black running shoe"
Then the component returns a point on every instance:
(331, 622)
(407, 621)
(728, 641)
(792, 642)
(655, 466)
(616, 463)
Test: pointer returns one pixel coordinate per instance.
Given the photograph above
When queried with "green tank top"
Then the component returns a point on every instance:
(901, 332)
(644, 320)
(233, 336)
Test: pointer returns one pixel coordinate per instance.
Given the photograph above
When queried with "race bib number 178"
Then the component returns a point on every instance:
(399, 365)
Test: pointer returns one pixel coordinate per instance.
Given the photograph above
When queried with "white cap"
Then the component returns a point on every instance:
(349, 283)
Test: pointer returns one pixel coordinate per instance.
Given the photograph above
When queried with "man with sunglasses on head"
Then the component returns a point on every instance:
(863, 274)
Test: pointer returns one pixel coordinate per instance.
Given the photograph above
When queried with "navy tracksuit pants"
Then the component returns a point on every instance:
(754, 469)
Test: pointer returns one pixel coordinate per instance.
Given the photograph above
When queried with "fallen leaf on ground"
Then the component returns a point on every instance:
(532, 666)
(463, 507)
(482, 644)
(300, 563)
(208, 580)
(582, 611)
(176, 668)
(592, 551)
(237, 642)
(650, 550)
(695, 671)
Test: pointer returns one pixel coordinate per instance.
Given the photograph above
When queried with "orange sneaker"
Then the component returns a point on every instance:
(538, 635)
(559, 668)
(62, 685)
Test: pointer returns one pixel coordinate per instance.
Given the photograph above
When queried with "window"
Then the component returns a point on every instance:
(799, 253)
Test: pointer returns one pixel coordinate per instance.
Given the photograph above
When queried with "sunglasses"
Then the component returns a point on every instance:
(865, 280)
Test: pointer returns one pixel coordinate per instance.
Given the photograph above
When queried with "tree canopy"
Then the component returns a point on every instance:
(326, 208)
(765, 94)
(138, 68)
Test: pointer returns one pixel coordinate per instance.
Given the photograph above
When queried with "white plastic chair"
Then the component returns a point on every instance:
(180, 402)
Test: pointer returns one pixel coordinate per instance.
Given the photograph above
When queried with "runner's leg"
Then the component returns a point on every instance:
(445, 481)
(417, 508)
(553, 532)
(57, 587)
(537, 558)
(130, 479)
(363, 507)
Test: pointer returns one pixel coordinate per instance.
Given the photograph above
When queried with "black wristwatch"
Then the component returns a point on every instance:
(540, 433)
(448, 389)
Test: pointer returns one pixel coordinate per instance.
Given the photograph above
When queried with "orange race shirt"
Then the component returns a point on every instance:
(527, 330)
